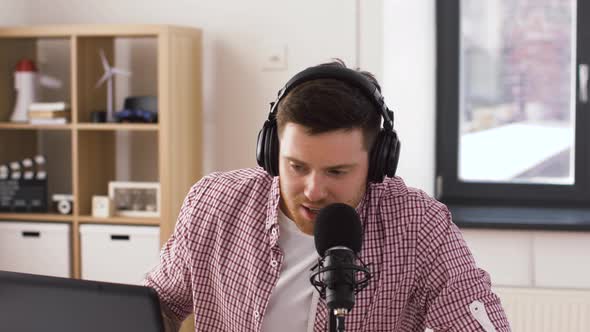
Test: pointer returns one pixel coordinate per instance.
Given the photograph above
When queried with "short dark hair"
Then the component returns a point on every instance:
(324, 105)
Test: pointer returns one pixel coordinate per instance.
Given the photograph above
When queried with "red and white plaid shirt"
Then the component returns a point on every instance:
(223, 260)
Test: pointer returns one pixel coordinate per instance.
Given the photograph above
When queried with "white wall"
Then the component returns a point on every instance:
(236, 36)
(409, 85)
(397, 41)
(14, 12)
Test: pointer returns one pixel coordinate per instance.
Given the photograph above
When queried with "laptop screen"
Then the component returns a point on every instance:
(39, 303)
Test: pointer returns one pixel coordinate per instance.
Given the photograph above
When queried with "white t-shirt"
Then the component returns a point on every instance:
(293, 301)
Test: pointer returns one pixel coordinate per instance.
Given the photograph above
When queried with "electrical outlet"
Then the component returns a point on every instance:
(275, 57)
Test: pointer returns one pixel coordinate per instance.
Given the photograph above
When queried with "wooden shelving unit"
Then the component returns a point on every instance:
(118, 126)
(119, 220)
(38, 217)
(174, 142)
(26, 126)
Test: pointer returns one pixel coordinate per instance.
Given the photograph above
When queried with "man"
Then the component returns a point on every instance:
(242, 249)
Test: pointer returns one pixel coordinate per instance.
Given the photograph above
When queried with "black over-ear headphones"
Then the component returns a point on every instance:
(384, 154)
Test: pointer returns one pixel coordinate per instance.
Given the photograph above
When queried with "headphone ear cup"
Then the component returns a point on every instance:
(267, 148)
(260, 146)
(272, 150)
(384, 156)
(375, 162)
(393, 155)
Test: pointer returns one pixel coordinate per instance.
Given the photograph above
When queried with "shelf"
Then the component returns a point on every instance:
(83, 126)
(53, 217)
(28, 126)
(49, 217)
(94, 30)
(118, 126)
(120, 220)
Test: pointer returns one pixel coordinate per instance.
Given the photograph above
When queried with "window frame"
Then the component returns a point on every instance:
(448, 188)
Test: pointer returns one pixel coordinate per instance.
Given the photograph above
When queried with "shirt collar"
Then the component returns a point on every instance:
(273, 204)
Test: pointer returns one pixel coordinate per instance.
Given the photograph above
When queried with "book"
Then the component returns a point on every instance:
(55, 106)
(54, 121)
(48, 114)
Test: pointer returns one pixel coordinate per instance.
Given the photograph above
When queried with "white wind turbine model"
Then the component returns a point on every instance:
(109, 72)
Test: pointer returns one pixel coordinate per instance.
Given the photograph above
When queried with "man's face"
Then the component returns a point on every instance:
(318, 170)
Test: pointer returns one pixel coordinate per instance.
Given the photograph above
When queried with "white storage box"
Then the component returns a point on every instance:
(122, 254)
(38, 248)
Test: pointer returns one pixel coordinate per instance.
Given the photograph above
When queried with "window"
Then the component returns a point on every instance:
(511, 101)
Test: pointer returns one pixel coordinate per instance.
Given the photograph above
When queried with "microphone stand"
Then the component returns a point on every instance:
(317, 279)
(336, 322)
(331, 321)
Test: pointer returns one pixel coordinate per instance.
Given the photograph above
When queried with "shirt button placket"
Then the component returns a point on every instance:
(256, 315)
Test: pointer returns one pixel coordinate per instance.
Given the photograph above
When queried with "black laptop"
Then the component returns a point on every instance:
(31, 303)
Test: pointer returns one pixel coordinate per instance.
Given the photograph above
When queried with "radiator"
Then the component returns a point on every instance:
(546, 310)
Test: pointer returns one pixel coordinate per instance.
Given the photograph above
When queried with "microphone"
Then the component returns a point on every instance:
(338, 239)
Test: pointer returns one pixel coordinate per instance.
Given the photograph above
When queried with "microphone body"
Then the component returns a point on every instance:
(339, 278)
(338, 239)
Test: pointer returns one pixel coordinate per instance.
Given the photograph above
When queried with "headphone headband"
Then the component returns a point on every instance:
(346, 75)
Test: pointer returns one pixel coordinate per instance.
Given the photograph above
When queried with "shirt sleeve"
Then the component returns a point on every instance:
(172, 277)
(459, 295)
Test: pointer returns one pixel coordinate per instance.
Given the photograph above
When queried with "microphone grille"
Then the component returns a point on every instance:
(337, 225)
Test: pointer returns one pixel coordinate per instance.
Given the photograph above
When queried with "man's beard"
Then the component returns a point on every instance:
(292, 208)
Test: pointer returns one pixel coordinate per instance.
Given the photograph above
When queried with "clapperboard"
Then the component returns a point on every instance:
(23, 186)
